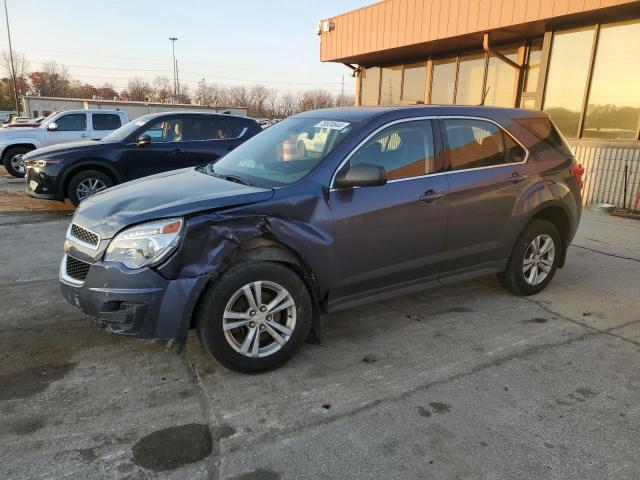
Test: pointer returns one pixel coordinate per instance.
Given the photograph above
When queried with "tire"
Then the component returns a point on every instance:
(9, 162)
(87, 178)
(225, 295)
(518, 277)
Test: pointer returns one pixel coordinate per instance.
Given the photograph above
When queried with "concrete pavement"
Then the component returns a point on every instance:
(465, 381)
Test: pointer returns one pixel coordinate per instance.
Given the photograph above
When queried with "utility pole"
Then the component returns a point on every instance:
(13, 68)
(175, 75)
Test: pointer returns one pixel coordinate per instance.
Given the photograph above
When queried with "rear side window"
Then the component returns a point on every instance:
(405, 150)
(208, 127)
(105, 121)
(545, 131)
(478, 143)
(74, 122)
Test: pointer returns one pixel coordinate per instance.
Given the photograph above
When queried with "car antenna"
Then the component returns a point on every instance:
(484, 95)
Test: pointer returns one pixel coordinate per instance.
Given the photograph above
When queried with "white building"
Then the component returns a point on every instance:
(35, 106)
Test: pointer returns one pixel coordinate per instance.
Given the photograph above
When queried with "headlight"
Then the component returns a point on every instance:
(145, 244)
(43, 163)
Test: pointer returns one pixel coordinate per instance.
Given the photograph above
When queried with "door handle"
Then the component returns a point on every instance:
(517, 178)
(176, 151)
(84, 135)
(430, 196)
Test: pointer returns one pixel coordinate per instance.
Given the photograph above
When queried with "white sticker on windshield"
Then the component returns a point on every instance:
(139, 122)
(333, 125)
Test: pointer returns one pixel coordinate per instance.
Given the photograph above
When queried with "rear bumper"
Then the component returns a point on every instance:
(137, 303)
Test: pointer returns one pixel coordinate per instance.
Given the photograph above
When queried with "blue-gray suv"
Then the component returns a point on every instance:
(324, 211)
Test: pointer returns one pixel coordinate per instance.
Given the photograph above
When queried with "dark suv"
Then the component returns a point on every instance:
(150, 144)
(253, 249)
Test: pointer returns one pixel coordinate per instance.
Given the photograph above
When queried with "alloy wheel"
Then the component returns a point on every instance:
(538, 259)
(259, 319)
(17, 163)
(88, 187)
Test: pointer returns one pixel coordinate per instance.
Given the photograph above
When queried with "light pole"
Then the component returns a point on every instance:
(175, 77)
(12, 66)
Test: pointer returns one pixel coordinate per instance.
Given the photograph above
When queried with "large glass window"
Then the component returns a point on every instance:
(171, 130)
(105, 121)
(414, 83)
(567, 78)
(74, 122)
(391, 85)
(614, 97)
(501, 79)
(470, 79)
(476, 143)
(443, 85)
(404, 150)
(369, 86)
(533, 66)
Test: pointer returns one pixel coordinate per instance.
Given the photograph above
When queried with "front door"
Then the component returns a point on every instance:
(71, 127)
(487, 174)
(168, 150)
(393, 235)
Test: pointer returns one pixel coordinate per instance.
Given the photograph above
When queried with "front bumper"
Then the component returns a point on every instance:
(40, 184)
(139, 303)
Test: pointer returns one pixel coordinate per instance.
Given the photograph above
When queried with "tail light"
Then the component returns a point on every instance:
(578, 171)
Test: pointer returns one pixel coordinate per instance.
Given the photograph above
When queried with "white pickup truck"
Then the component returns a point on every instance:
(60, 127)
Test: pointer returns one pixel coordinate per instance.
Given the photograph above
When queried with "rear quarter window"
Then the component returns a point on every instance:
(546, 132)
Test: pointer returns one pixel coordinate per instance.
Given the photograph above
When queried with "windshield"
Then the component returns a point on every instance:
(47, 119)
(283, 153)
(127, 129)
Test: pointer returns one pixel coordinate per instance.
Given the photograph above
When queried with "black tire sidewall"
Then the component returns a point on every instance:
(216, 296)
(514, 277)
(9, 154)
(79, 177)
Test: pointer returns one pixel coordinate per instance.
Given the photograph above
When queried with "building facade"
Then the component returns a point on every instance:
(578, 60)
(35, 106)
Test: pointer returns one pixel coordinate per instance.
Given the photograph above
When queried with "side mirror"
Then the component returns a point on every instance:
(361, 175)
(144, 140)
(52, 127)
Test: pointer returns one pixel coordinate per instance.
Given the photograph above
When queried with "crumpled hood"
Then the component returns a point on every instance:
(169, 194)
(65, 147)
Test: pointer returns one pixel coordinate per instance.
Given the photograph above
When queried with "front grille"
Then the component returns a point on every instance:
(84, 235)
(77, 269)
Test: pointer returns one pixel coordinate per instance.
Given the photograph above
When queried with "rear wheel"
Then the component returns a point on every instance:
(13, 162)
(534, 259)
(85, 184)
(255, 316)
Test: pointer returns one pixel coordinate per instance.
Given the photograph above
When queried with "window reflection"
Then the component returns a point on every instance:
(470, 79)
(533, 69)
(567, 78)
(415, 80)
(614, 97)
(390, 85)
(501, 79)
(370, 86)
(444, 81)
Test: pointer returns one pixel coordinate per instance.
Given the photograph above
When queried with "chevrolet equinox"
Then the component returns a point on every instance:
(324, 211)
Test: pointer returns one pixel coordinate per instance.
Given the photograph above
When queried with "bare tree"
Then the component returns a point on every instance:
(239, 96)
(258, 95)
(288, 105)
(139, 89)
(314, 99)
(345, 100)
(21, 69)
(162, 88)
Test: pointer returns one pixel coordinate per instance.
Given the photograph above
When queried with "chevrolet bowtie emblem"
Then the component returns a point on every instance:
(66, 246)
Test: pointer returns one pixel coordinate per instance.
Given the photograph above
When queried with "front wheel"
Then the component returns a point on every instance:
(85, 184)
(255, 317)
(12, 161)
(534, 259)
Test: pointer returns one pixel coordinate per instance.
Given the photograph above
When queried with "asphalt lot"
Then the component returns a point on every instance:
(461, 382)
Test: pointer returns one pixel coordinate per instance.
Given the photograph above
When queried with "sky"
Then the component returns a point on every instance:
(272, 42)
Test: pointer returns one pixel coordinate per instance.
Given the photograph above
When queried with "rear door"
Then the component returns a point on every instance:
(104, 123)
(209, 138)
(392, 235)
(486, 172)
(168, 149)
(72, 127)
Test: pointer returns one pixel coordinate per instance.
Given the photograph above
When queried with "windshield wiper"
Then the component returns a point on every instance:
(230, 178)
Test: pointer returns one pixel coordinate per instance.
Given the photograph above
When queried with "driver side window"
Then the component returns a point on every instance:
(405, 150)
(166, 131)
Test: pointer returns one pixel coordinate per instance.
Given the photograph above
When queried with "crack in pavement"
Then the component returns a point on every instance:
(605, 253)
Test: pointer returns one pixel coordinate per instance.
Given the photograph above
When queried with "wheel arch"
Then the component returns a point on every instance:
(7, 148)
(99, 166)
